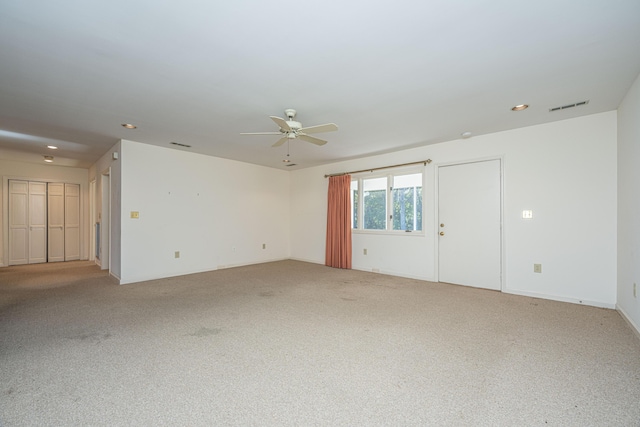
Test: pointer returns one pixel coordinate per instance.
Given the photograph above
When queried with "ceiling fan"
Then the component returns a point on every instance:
(290, 129)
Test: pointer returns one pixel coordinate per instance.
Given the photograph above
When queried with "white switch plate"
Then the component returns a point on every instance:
(135, 214)
(527, 214)
(177, 254)
(537, 268)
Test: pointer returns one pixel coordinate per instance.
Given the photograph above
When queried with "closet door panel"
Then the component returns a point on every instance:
(72, 222)
(18, 222)
(37, 222)
(55, 200)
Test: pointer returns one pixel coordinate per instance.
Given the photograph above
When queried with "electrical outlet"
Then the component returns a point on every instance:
(176, 254)
(537, 268)
(364, 251)
(135, 214)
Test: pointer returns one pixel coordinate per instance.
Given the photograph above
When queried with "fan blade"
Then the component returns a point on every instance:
(280, 142)
(312, 139)
(281, 122)
(260, 133)
(329, 127)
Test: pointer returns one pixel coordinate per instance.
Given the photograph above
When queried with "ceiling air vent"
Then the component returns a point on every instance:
(290, 164)
(180, 145)
(564, 107)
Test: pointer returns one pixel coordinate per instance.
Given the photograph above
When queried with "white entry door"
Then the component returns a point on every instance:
(56, 222)
(470, 224)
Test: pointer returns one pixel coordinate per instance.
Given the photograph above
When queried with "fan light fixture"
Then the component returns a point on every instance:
(520, 107)
(128, 126)
(48, 159)
(52, 147)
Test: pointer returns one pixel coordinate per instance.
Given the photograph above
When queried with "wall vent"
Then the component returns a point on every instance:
(180, 145)
(564, 107)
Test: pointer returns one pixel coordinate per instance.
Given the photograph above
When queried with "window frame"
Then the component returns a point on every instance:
(389, 175)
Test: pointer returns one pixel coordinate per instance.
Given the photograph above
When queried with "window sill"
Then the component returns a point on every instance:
(389, 233)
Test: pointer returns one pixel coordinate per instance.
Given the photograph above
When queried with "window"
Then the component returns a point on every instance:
(374, 203)
(406, 202)
(387, 203)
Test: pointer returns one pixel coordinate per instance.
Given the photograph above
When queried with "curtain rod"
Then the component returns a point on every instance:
(425, 162)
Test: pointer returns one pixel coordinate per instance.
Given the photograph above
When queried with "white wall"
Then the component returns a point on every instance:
(629, 204)
(564, 171)
(43, 173)
(217, 213)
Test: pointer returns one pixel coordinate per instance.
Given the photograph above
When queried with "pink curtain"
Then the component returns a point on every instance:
(338, 249)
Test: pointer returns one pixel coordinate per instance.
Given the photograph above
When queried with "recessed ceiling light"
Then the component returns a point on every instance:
(466, 134)
(520, 107)
(48, 159)
(53, 147)
(286, 160)
(129, 126)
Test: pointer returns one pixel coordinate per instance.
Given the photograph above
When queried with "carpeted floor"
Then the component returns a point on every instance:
(292, 343)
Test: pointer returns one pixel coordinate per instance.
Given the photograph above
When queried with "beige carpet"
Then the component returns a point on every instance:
(291, 343)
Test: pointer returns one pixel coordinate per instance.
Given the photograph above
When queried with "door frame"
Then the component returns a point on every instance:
(436, 241)
(105, 220)
(92, 220)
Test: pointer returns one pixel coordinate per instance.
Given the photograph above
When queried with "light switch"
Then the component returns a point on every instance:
(527, 214)
(135, 214)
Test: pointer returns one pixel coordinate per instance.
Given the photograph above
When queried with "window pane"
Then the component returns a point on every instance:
(375, 203)
(406, 199)
(354, 204)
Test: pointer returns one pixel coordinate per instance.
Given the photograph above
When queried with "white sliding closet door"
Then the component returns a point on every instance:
(71, 222)
(44, 222)
(56, 230)
(18, 222)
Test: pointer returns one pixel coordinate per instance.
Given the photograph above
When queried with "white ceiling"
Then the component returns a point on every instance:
(390, 74)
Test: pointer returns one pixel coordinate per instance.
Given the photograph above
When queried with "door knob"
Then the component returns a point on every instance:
(442, 233)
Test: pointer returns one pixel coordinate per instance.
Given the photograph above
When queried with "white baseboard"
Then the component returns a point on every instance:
(311, 261)
(115, 277)
(224, 266)
(395, 273)
(598, 304)
(185, 273)
(630, 321)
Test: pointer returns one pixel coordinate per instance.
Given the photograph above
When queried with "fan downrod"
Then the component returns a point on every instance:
(290, 112)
